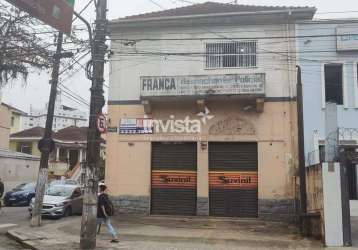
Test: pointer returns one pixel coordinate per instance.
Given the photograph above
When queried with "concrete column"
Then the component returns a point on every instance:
(203, 179)
(57, 154)
(68, 156)
(81, 155)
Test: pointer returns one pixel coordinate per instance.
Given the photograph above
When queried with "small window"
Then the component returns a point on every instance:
(231, 54)
(24, 147)
(12, 121)
(333, 74)
(31, 124)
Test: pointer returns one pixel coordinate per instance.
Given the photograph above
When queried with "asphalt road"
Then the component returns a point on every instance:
(14, 215)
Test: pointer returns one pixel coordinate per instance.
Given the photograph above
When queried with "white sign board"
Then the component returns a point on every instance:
(233, 84)
(136, 126)
(347, 38)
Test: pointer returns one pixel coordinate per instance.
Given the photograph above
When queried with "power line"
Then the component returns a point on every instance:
(157, 4)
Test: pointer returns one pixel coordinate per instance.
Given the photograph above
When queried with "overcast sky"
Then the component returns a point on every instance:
(36, 91)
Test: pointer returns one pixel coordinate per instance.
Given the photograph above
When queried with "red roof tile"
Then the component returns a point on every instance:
(29, 133)
(69, 134)
(72, 134)
(209, 8)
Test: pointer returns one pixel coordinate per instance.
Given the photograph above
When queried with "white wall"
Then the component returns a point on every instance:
(332, 205)
(16, 171)
(125, 70)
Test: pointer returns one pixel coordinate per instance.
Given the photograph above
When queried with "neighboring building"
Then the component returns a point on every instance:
(5, 115)
(328, 56)
(17, 168)
(64, 116)
(70, 147)
(16, 118)
(202, 111)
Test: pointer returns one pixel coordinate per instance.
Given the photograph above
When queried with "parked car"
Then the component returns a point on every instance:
(20, 195)
(61, 201)
(64, 182)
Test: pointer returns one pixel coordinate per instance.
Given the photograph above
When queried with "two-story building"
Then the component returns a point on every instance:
(328, 56)
(70, 147)
(202, 111)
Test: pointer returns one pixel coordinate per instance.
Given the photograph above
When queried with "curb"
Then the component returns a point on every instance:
(13, 235)
(4, 228)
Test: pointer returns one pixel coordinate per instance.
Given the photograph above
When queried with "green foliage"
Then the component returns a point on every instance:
(20, 47)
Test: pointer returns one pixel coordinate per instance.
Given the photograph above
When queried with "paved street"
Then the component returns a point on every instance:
(167, 233)
(171, 233)
(15, 215)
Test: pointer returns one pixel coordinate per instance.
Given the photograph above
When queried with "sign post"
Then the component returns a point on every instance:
(56, 13)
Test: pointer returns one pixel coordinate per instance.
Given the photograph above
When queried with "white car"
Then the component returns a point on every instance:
(61, 201)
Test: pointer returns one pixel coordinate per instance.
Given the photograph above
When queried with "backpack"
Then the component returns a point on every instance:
(109, 207)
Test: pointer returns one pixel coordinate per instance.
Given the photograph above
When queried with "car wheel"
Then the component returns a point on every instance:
(68, 212)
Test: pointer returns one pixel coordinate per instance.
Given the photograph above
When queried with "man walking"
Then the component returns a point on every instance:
(2, 189)
(104, 211)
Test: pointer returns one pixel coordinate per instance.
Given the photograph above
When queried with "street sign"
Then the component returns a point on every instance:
(101, 123)
(56, 13)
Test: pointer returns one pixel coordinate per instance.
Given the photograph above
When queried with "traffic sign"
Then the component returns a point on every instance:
(56, 13)
(101, 123)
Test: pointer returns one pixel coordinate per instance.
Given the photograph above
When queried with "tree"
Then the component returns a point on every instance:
(27, 44)
(21, 47)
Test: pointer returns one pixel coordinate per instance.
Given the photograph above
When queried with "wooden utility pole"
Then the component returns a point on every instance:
(89, 215)
(46, 144)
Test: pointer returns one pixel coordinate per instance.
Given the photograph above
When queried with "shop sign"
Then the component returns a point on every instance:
(136, 126)
(347, 38)
(233, 180)
(233, 84)
(112, 130)
(56, 13)
(173, 179)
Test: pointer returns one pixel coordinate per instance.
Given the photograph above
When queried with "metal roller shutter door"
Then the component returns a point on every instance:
(173, 178)
(233, 179)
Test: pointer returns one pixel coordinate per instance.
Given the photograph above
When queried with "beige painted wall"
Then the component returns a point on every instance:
(129, 173)
(35, 150)
(4, 126)
(128, 167)
(16, 125)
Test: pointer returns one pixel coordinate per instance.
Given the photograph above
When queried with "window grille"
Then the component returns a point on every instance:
(231, 54)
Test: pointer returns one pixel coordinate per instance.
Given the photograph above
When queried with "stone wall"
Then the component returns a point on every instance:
(132, 204)
(277, 210)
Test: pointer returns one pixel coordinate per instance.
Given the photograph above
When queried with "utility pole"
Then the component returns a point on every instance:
(46, 144)
(301, 155)
(89, 214)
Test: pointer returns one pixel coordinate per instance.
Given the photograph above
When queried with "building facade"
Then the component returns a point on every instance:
(70, 147)
(15, 119)
(202, 111)
(17, 168)
(5, 119)
(328, 56)
(64, 116)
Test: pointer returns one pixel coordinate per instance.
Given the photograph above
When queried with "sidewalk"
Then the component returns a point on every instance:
(161, 232)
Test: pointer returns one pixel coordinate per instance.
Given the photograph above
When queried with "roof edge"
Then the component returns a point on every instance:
(140, 20)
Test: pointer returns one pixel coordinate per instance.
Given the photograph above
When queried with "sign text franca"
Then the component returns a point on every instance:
(161, 83)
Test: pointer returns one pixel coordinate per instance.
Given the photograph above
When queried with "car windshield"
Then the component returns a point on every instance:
(25, 187)
(62, 191)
